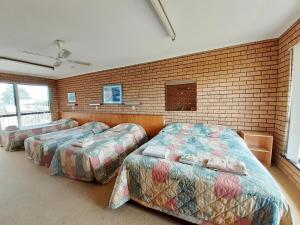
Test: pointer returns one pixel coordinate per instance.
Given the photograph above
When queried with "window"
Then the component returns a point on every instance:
(181, 95)
(24, 105)
(8, 111)
(293, 144)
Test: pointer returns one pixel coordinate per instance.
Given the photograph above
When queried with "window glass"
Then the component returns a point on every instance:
(7, 99)
(33, 98)
(35, 119)
(34, 104)
(8, 110)
(24, 105)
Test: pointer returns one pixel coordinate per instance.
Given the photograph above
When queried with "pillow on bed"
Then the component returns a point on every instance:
(184, 128)
(60, 121)
(65, 122)
(125, 126)
(118, 128)
(208, 130)
(96, 127)
(11, 128)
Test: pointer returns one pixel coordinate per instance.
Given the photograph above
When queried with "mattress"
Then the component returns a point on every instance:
(41, 148)
(195, 193)
(101, 160)
(14, 140)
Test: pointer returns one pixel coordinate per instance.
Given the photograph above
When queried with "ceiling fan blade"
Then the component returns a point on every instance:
(38, 54)
(60, 44)
(57, 63)
(79, 62)
(65, 53)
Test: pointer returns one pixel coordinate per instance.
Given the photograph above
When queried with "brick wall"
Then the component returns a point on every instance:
(236, 86)
(286, 41)
(10, 78)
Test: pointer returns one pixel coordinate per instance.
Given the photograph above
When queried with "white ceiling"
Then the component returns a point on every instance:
(115, 33)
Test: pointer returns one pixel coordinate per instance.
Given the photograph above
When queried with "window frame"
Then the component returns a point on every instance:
(190, 103)
(18, 113)
(292, 85)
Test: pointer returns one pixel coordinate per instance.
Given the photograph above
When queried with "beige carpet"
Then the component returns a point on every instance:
(29, 196)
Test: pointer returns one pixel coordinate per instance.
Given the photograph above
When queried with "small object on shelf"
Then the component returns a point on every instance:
(261, 145)
(72, 105)
(97, 105)
(132, 104)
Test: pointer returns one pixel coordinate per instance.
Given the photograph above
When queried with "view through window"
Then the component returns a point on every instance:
(24, 105)
(8, 111)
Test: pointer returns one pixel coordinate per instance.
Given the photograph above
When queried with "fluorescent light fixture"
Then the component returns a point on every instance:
(26, 62)
(157, 5)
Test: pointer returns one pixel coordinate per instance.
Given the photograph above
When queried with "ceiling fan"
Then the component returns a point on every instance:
(62, 56)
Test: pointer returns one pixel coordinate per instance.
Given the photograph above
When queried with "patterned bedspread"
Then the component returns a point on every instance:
(101, 160)
(14, 140)
(197, 194)
(41, 148)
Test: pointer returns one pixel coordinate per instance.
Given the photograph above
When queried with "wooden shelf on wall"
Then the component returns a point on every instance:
(261, 145)
(257, 148)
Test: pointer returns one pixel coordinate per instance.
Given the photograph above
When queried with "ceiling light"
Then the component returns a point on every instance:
(164, 18)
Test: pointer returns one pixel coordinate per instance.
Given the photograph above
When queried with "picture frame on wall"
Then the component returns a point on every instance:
(72, 97)
(112, 94)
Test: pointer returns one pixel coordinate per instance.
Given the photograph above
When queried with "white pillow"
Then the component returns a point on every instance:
(11, 128)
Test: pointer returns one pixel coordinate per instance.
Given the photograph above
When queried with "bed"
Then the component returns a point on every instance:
(101, 160)
(14, 140)
(41, 148)
(197, 194)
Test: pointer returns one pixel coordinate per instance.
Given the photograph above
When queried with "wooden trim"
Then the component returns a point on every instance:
(290, 28)
(293, 44)
(290, 162)
(175, 82)
(151, 123)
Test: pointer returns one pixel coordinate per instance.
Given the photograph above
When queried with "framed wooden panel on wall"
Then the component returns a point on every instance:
(181, 95)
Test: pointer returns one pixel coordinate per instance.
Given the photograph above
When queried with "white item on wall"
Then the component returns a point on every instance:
(72, 105)
(132, 104)
(96, 105)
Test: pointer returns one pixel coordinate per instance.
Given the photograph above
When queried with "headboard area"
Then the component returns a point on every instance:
(151, 123)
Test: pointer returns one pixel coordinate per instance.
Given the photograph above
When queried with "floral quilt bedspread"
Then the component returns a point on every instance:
(101, 160)
(198, 194)
(14, 140)
(41, 148)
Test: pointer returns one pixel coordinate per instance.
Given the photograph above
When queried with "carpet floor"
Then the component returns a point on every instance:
(28, 196)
